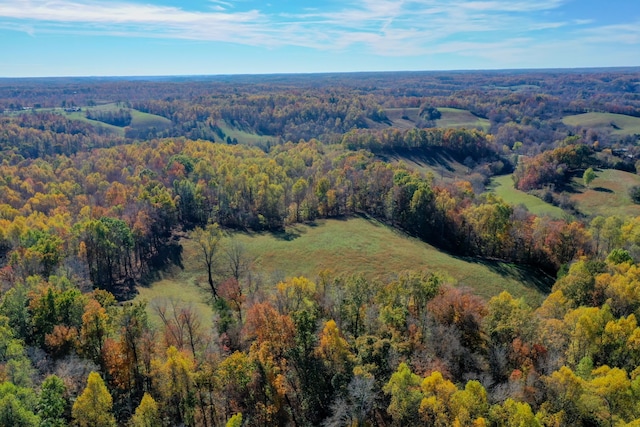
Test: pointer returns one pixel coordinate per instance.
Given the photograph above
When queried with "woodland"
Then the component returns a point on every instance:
(104, 180)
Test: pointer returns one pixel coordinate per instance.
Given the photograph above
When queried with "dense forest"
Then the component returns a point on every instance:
(103, 180)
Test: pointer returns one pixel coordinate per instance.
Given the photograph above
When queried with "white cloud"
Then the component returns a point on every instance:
(484, 28)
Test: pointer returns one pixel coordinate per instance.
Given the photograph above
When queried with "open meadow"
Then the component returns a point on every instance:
(618, 124)
(607, 195)
(344, 247)
(503, 187)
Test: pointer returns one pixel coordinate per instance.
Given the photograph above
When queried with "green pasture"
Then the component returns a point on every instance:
(618, 124)
(406, 118)
(244, 137)
(607, 195)
(344, 247)
(503, 187)
(457, 118)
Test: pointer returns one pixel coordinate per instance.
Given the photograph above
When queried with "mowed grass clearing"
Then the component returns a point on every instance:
(608, 194)
(243, 136)
(139, 119)
(407, 118)
(403, 118)
(344, 247)
(457, 118)
(503, 187)
(618, 124)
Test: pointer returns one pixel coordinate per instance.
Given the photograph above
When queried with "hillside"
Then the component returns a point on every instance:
(617, 124)
(503, 187)
(457, 118)
(345, 247)
(607, 195)
(434, 160)
(407, 118)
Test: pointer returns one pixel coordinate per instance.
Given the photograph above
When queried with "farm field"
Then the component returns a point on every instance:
(457, 118)
(345, 247)
(618, 124)
(608, 194)
(139, 119)
(403, 118)
(503, 187)
(407, 118)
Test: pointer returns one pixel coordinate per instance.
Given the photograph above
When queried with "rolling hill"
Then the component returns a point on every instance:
(346, 247)
(617, 124)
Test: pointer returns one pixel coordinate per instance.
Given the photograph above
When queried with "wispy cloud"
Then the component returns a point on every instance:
(384, 27)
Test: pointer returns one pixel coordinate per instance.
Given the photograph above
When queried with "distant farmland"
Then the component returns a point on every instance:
(406, 118)
(617, 124)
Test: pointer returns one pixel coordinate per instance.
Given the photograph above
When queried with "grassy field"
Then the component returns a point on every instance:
(346, 247)
(406, 118)
(403, 118)
(139, 120)
(79, 115)
(608, 194)
(443, 167)
(244, 137)
(503, 187)
(618, 124)
(456, 118)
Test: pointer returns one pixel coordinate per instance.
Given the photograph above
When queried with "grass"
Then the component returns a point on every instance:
(406, 118)
(403, 118)
(457, 118)
(80, 116)
(139, 120)
(618, 124)
(433, 160)
(346, 247)
(503, 187)
(244, 137)
(608, 194)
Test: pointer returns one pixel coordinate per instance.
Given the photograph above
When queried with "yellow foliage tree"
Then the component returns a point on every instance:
(146, 414)
(93, 406)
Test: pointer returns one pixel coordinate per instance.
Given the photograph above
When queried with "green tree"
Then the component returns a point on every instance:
(52, 402)
(299, 191)
(15, 404)
(93, 407)
(588, 177)
(634, 193)
(406, 396)
(109, 246)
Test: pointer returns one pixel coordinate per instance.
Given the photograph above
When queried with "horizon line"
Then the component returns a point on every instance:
(321, 73)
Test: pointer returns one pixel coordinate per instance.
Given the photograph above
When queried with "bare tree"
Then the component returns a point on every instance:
(182, 324)
(238, 261)
(208, 240)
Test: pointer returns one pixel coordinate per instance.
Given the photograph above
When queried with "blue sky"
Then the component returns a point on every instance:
(186, 37)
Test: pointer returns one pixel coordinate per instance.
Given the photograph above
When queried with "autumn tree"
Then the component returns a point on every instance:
(406, 396)
(147, 413)
(173, 379)
(93, 408)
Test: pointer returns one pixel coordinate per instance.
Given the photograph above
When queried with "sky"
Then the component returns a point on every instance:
(40, 38)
